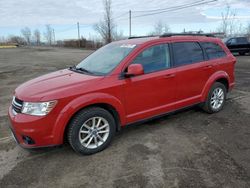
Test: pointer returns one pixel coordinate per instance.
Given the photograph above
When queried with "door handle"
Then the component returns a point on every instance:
(169, 76)
(208, 67)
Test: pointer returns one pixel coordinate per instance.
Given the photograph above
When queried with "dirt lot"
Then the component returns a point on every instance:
(187, 149)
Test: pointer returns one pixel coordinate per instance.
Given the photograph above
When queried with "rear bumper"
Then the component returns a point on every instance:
(38, 129)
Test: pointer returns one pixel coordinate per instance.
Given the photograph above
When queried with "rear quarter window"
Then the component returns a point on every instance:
(213, 50)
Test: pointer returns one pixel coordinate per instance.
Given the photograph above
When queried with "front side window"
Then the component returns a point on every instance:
(232, 41)
(187, 53)
(106, 58)
(154, 58)
(213, 50)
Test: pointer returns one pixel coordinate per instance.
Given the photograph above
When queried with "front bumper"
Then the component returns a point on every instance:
(33, 131)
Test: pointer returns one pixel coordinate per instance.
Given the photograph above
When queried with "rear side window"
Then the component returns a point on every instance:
(242, 40)
(187, 53)
(213, 50)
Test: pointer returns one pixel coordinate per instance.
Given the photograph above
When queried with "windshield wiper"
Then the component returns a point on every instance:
(84, 70)
(72, 67)
(80, 69)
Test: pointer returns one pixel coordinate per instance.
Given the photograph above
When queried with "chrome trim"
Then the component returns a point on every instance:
(14, 112)
(15, 103)
(16, 107)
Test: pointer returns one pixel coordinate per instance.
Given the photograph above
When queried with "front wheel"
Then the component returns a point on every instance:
(216, 98)
(91, 130)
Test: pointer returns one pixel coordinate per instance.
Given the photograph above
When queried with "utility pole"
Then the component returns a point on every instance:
(54, 36)
(79, 42)
(129, 23)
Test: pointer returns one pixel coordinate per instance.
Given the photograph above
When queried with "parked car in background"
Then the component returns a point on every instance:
(239, 45)
(122, 83)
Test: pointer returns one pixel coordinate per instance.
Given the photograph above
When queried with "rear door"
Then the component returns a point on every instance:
(192, 72)
(242, 44)
(239, 44)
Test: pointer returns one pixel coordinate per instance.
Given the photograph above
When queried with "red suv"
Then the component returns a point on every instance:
(121, 83)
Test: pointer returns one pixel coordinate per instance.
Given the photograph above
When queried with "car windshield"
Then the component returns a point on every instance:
(225, 40)
(104, 60)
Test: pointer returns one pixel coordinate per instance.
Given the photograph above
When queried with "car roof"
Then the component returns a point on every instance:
(142, 40)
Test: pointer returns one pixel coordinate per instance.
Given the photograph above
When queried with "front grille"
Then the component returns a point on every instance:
(17, 105)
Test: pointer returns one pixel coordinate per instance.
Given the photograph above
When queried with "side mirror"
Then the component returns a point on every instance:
(134, 70)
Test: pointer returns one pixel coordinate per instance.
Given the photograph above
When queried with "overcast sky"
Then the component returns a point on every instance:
(63, 15)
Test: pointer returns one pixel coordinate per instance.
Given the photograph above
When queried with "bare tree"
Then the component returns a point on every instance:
(48, 34)
(106, 27)
(26, 32)
(16, 39)
(229, 25)
(160, 28)
(118, 35)
(37, 37)
(2, 39)
(248, 30)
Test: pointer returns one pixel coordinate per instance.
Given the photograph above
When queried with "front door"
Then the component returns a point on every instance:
(153, 92)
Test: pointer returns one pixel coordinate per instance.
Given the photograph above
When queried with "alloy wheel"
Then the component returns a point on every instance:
(217, 98)
(94, 132)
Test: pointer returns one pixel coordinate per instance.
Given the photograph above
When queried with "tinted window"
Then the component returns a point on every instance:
(154, 58)
(213, 50)
(187, 53)
(232, 41)
(242, 40)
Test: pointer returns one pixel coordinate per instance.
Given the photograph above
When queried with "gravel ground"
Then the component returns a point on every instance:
(186, 149)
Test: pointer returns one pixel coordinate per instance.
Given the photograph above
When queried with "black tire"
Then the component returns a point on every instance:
(207, 106)
(242, 53)
(79, 119)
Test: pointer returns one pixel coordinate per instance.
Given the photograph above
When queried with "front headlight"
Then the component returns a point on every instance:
(38, 109)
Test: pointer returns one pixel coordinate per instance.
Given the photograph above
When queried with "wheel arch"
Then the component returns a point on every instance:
(105, 101)
(221, 77)
(224, 81)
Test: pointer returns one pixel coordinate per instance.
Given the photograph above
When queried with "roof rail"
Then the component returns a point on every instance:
(187, 34)
(137, 37)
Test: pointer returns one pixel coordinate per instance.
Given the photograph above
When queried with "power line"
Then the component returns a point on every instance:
(162, 9)
(67, 29)
(170, 9)
(126, 13)
(121, 15)
(147, 13)
(175, 9)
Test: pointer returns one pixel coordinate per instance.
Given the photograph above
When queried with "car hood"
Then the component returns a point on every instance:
(55, 85)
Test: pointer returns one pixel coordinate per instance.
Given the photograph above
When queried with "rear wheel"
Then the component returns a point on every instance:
(242, 53)
(91, 130)
(216, 98)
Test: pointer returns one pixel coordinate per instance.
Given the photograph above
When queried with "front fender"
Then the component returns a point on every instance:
(83, 101)
(210, 82)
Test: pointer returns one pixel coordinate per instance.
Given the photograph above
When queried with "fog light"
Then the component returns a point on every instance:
(28, 140)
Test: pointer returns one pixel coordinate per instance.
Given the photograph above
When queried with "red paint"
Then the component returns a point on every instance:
(134, 98)
(134, 70)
